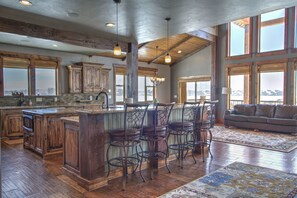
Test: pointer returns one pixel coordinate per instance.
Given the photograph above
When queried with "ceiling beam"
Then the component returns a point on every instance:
(171, 48)
(203, 35)
(37, 31)
(190, 54)
(139, 46)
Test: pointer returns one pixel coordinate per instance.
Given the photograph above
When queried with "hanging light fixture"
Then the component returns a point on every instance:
(117, 48)
(157, 80)
(167, 57)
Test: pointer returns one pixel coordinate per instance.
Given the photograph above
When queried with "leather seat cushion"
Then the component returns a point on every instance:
(257, 119)
(286, 122)
(240, 118)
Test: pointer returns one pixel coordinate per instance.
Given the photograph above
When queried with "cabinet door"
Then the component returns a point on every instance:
(38, 134)
(14, 125)
(77, 81)
(54, 134)
(96, 79)
(88, 82)
(104, 78)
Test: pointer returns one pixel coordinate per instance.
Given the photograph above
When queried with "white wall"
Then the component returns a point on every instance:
(163, 91)
(196, 65)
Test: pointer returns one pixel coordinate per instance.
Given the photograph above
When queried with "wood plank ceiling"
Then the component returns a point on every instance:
(179, 47)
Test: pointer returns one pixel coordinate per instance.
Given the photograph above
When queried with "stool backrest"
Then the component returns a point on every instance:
(208, 110)
(162, 113)
(134, 115)
(190, 111)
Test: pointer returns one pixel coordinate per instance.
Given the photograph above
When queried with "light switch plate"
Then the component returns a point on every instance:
(55, 99)
(38, 99)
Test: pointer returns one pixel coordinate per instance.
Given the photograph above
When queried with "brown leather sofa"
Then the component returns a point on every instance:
(278, 118)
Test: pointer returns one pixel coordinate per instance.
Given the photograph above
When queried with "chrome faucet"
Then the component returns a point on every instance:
(105, 98)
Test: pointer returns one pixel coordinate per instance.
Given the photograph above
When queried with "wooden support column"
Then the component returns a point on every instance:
(132, 71)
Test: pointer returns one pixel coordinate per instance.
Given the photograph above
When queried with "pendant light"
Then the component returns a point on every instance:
(117, 48)
(167, 57)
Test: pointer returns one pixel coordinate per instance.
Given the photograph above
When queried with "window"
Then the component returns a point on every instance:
(45, 82)
(146, 90)
(295, 28)
(194, 89)
(38, 77)
(271, 83)
(272, 31)
(239, 37)
(15, 80)
(239, 83)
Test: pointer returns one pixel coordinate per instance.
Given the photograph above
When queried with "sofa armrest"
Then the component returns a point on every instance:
(230, 111)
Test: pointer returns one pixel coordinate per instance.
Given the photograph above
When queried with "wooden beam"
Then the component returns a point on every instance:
(27, 29)
(203, 35)
(188, 55)
(139, 46)
(171, 48)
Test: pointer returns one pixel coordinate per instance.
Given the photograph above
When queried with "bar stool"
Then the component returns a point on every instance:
(205, 124)
(180, 131)
(155, 136)
(127, 139)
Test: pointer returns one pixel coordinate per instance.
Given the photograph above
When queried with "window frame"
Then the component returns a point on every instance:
(244, 66)
(284, 63)
(228, 40)
(274, 52)
(33, 61)
(182, 92)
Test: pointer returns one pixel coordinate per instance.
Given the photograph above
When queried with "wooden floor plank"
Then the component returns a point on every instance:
(25, 174)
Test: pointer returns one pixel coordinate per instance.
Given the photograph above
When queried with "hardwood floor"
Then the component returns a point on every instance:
(25, 174)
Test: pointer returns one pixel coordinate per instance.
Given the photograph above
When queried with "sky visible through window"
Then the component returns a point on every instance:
(271, 39)
(15, 79)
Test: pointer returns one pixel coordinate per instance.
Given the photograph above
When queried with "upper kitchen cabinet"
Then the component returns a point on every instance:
(87, 77)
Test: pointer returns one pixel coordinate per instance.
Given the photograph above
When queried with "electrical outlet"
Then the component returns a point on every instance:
(175, 96)
(38, 99)
(56, 99)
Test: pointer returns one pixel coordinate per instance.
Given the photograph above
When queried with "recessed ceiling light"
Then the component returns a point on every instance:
(54, 45)
(179, 51)
(25, 2)
(109, 24)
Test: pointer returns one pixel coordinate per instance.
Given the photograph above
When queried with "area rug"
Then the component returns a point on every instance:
(240, 180)
(14, 142)
(265, 140)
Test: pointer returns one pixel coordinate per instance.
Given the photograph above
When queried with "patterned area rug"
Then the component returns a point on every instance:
(240, 180)
(265, 140)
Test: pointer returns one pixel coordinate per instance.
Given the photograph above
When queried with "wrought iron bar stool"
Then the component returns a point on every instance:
(205, 124)
(155, 136)
(180, 131)
(127, 139)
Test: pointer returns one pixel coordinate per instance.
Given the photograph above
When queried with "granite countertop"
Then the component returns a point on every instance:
(48, 106)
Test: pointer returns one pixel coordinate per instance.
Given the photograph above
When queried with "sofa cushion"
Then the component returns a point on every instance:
(240, 118)
(245, 109)
(285, 111)
(265, 110)
(257, 119)
(278, 121)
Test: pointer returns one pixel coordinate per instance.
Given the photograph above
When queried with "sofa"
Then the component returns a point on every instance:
(277, 118)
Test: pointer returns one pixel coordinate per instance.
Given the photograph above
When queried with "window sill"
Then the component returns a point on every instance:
(238, 57)
(271, 53)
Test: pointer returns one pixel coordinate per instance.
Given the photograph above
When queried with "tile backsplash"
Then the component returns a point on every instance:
(47, 100)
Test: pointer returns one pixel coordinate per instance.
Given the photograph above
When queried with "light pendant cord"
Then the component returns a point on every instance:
(167, 35)
(117, 24)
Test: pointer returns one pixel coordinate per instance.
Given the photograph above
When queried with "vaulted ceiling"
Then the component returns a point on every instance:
(79, 25)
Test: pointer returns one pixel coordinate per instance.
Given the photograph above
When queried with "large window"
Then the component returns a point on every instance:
(272, 31)
(45, 82)
(239, 83)
(271, 83)
(239, 37)
(146, 90)
(15, 80)
(28, 76)
(196, 89)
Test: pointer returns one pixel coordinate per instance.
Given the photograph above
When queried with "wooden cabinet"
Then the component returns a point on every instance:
(11, 123)
(44, 136)
(87, 77)
(75, 78)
